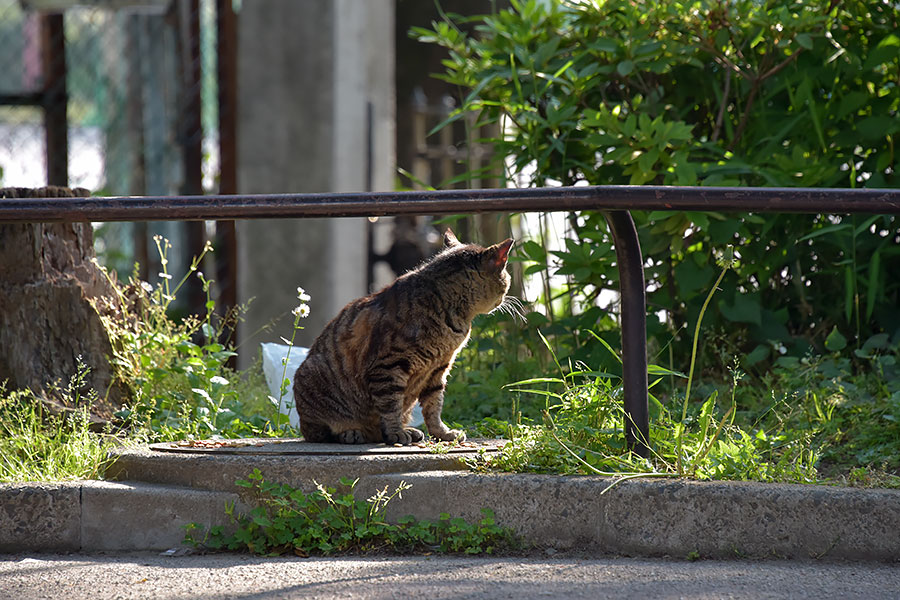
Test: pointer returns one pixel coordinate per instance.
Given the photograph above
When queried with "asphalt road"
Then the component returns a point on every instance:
(148, 576)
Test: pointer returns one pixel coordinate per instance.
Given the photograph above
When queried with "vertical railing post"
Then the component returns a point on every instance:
(55, 98)
(634, 330)
(226, 232)
(191, 134)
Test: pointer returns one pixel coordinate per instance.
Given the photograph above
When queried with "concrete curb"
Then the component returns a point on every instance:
(637, 517)
(141, 516)
(645, 517)
(40, 517)
(103, 515)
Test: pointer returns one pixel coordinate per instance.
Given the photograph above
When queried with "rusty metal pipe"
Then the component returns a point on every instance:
(278, 206)
(633, 298)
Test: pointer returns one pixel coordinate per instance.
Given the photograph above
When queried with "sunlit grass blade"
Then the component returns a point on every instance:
(606, 345)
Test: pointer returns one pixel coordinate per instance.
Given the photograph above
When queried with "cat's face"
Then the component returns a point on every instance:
(486, 270)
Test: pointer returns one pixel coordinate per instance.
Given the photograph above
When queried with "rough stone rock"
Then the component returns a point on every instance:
(47, 319)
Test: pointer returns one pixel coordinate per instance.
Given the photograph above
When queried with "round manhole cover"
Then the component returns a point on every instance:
(297, 447)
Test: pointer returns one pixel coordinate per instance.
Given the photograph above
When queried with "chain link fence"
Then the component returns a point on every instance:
(119, 97)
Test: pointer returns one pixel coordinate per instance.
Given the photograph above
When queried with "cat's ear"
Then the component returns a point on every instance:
(450, 239)
(499, 253)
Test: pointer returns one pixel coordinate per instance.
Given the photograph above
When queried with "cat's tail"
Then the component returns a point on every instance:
(317, 433)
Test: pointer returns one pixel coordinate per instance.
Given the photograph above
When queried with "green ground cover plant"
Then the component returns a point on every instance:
(808, 420)
(325, 522)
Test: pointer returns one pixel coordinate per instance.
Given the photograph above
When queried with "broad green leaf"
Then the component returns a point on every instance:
(203, 393)
(805, 40)
(691, 278)
(625, 68)
(879, 341)
(835, 342)
(876, 127)
(746, 309)
(534, 251)
(604, 45)
(761, 352)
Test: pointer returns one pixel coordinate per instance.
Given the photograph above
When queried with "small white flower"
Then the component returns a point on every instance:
(147, 287)
(301, 311)
(302, 295)
(165, 275)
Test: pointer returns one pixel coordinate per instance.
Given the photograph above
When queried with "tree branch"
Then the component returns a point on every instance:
(722, 105)
(781, 65)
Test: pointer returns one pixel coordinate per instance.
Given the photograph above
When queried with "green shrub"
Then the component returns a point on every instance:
(783, 93)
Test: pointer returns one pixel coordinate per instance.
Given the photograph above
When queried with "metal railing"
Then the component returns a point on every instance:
(616, 201)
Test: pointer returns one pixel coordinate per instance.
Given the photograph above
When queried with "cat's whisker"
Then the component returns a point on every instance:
(511, 306)
(516, 303)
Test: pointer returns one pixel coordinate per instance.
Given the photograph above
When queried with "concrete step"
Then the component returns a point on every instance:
(162, 489)
(216, 467)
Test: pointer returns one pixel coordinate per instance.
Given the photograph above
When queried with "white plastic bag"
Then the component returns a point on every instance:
(275, 370)
(273, 356)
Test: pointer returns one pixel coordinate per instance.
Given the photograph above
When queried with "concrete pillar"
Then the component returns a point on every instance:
(315, 114)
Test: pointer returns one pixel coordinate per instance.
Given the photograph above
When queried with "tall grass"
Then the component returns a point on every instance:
(37, 445)
(582, 429)
(177, 376)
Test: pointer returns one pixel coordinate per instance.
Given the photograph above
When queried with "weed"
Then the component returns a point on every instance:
(852, 419)
(325, 522)
(777, 305)
(36, 445)
(177, 371)
(585, 435)
(300, 312)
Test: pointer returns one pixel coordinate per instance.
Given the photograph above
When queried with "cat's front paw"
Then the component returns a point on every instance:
(452, 435)
(405, 436)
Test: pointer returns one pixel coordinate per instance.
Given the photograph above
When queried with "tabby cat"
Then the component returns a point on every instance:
(382, 353)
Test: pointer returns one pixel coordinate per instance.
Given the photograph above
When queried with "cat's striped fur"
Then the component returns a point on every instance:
(382, 353)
